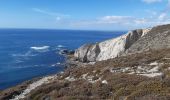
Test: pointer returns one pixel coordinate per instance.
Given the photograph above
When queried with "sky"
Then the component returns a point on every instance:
(84, 14)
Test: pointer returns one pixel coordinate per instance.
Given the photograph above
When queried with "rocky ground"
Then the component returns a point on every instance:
(141, 76)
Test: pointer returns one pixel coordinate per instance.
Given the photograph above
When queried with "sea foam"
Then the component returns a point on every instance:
(41, 49)
(60, 46)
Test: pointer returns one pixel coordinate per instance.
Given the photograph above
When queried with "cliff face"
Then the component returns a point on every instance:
(157, 38)
(110, 48)
(135, 41)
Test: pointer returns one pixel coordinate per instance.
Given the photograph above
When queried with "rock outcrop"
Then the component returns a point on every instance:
(157, 38)
(135, 41)
(110, 48)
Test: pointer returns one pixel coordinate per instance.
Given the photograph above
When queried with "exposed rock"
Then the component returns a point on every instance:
(93, 52)
(110, 48)
(135, 41)
(82, 52)
(157, 38)
(66, 52)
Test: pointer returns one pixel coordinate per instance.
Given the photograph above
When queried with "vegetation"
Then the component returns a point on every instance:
(88, 83)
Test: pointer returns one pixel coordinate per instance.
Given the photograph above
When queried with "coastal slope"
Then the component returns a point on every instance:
(135, 66)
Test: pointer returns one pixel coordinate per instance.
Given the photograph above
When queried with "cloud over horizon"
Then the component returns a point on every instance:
(153, 18)
(151, 1)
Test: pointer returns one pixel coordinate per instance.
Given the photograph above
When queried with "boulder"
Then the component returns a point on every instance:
(67, 52)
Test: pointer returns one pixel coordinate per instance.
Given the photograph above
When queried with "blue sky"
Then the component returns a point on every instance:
(84, 14)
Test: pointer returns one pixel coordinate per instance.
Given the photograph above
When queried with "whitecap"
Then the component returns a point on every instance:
(18, 61)
(22, 67)
(53, 65)
(57, 48)
(41, 49)
(58, 63)
(61, 46)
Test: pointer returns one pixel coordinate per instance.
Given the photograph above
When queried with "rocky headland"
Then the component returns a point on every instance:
(133, 42)
(134, 66)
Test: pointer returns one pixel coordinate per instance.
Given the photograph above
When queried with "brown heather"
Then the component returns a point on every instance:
(120, 86)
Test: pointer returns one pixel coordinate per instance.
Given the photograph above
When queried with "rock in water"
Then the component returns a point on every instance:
(66, 52)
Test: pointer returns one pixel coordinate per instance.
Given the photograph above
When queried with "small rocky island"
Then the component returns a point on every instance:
(134, 66)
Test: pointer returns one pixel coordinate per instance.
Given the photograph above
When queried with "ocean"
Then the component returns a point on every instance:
(30, 53)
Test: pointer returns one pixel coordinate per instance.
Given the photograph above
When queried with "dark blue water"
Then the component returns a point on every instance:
(29, 53)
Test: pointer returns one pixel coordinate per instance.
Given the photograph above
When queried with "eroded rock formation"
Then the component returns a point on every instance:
(110, 48)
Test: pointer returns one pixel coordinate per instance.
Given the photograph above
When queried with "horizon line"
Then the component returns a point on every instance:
(67, 29)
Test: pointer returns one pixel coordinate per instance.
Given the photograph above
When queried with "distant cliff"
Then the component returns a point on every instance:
(110, 48)
(133, 42)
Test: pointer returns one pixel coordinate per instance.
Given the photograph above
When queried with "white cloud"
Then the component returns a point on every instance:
(151, 1)
(123, 22)
(57, 16)
(162, 16)
(115, 19)
(49, 12)
(141, 21)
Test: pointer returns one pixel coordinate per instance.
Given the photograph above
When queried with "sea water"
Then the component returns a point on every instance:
(30, 53)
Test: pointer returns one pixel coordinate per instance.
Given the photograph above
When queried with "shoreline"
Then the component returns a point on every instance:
(64, 65)
(34, 85)
(22, 89)
(19, 91)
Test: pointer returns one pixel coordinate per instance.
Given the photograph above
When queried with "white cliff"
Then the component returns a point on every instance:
(110, 48)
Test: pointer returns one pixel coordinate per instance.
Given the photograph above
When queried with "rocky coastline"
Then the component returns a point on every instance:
(20, 91)
(135, 66)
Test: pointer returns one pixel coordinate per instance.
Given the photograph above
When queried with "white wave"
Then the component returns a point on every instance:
(53, 65)
(41, 49)
(57, 48)
(18, 61)
(22, 67)
(58, 63)
(33, 66)
(61, 46)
